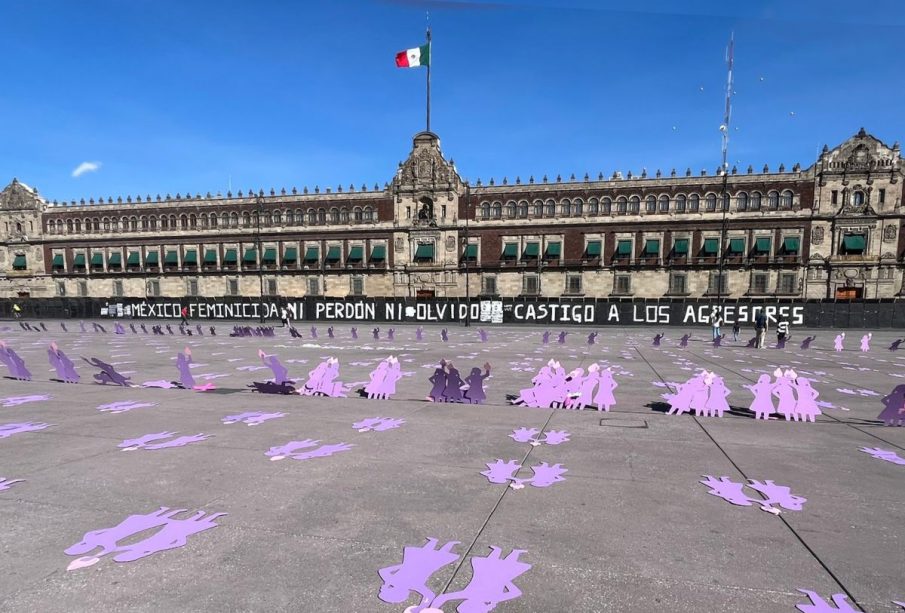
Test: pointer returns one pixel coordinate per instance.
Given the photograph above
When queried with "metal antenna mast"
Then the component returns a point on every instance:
(724, 204)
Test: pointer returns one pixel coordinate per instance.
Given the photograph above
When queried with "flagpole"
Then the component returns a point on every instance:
(429, 62)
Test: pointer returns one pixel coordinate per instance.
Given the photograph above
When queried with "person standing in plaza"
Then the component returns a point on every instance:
(760, 327)
(185, 316)
(284, 317)
(17, 311)
(716, 321)
(736, 330)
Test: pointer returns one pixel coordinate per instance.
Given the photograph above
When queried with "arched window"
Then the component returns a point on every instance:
(164, 222)
(606, 206)
(322, 216)
(78, 225)
(204, 220)
(510, 209)
(213, 222)
(334, 215)
(69, 226)
(152, 222)
(496, 210)
(680, 203)
(370, 214)
(565, 208)
(485, 210)
(19, 227)
(858, 198)
(144, 223)
(754, 202)
(299, 217)
(538, 208)
(634, 205)
(650, 204)
(621, 205)
(593, 206)
(224, 220)
(172, 222)
(772, 201)
(312, 217)
(664, 203)
(694, 203)
(193, 221)
(578, 207)
(785, 200)
(233, 220)
(277, 218)
(741, 201)
(550, 208)
(710, 202)
(523, 209)
(356, 214)
(344, 215)
(59, 226)
(246, 219)
(183, 221)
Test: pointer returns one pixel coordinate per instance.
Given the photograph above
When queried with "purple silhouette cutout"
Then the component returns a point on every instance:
(716, 400)
(173, 534)
(784, 390)
(483, 334)
(896, 343)
(545, 339)
(806, 408)
(730, 491)
(501, 472)
(186, 380)
(252, 418)
(354, 333)
(438, 379)
(658, 339)
(556, 437)
(383, 379)
(762, 405)
(108, 374)
(604, 399)
(524, 435)
(378, 424)
(475, 380)
(7, 430)
(376, 333)
(837, 343)
(806, 342)
(562, 338)
(683, 342)
(142, 441)
(14, 401)
(491, 582)
(290, 450)
(444, 335)
(584, 388)
(884, 454)
(62, 325)
(819, 605)
(592, 338)
(733, 492)
(417, 567)
(280, 373)
(124, 405)
(453, 390)
(62, 364)
(688, 395)
(865, 342)
(544, 476)
(313, 332)
(5, 484)
(893, 413)
(391, 333)
(330, 332)
(419, 333)
(777, 494)
(14, 363)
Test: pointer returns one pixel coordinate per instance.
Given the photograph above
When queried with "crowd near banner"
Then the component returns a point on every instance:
(888, 313)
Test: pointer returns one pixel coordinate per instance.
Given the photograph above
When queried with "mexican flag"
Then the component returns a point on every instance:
(412, 58)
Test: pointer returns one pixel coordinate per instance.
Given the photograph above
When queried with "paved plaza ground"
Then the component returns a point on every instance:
(630, 529)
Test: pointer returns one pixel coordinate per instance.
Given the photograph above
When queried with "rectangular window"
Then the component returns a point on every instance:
(531, 252)
(61, 288)
(83, 288)
(357, 286)
(853, 244)
(530, 285)
(592, 250)
(573, 284)
(191, 287)
(678, 283)
(488, 286)
(759, 283)
(471, 253)
(623, 284)
(835, 197)
(314, 286)
(788, 284)
(118, 289)
(623, 250)
(443, 211)
(718, 283)
(153, 288)
(272, 287)
(882, 196)
(232, 287)
(408, 212)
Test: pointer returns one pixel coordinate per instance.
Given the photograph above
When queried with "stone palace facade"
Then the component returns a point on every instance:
(833, 230)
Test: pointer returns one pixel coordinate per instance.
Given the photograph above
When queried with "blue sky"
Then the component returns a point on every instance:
(182, 96)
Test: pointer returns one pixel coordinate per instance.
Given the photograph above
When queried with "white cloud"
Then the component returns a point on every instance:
(86, 167)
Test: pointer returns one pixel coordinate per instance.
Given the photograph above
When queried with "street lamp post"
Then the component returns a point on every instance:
(260, 203)
(467, 278)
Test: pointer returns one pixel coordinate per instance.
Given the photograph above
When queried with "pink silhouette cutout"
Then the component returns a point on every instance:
(377, 424)
(806, 408)
(7, 430)
(491, 582)
(142, 441)
(321, 452)
(62, 364)
(283, 451)
(501, 472)
(865, 341)
(716, 400)
(604, 399)
(837, 342)
(777, 494)
(524, 435)
(762, 405)
(5, 484)
(556, 437)
(819, 605)
(475, 393)
(417, 567)
(784, 390)
(730, 491)
(883, 454)
(14, 401)
(893, 413)
(252, 418)
(124, 406)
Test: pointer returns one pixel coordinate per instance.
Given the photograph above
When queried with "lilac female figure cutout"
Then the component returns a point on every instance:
(572, 387)
(562, 338)
(391, 333)
(893, 413)
(592, 338)
(438, 379)
(419, 333)
(700, 385)
(683, 342)
(806, 342)
(762, 405)
(607, 385)
(837, 343)
(330, 332)
(586, 388)
(475, 380)
(716, 401)
(785, 393)
(378, 375)
(444, 335)
(806, 408)
(183, 360)
(63, 365)
(657, 339)
(545, 338)
(453, 390)
(376, 333)
(393, 374)
(865, 341)
(313, 332)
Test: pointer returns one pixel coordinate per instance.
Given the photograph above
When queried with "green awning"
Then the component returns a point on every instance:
(680, 247)
(151, 258)
(171, 258)
(291, 254)
(711, 246)
(19, 262)
(510, 250)
(737, 245)
(624, 248)
(424, 252)
(593, 248)
(231, 256)
(762, 245)
(532, 250)
(471, 252)
(356, 254)
(190, 257)
(270, 255)
(554, 249)
(333, 253)
(854, 242)
(97, 259)
(791, 244)
(58, 261)
(116, 259)
(134, 259)
(79, 260)
(379, 252)
(652, 247)
(210, 256)
(311, 255)
(250, 257)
